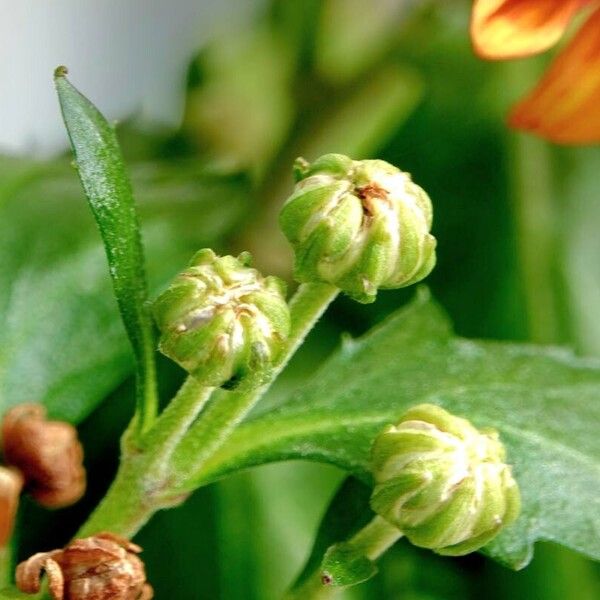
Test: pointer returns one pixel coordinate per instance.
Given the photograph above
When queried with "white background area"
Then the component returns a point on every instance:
(128, 56)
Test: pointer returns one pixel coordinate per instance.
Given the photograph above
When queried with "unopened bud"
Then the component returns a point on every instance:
(102, 567)
(443, 483)
(11, 484)
(47, 453)
(359, 225)
(222, 321)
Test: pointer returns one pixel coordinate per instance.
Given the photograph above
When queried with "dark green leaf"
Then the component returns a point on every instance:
(544, 402)
(107, 187)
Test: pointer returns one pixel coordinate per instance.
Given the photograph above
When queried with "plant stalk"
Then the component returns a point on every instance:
(141, 485)
(126, 507)
(535, 219)
(226, 412)
(163, 469)
(6, 565)
(176, 419)
(376, 537)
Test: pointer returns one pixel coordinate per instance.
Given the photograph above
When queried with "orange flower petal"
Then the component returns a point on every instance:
(515, 28)
(565, 105)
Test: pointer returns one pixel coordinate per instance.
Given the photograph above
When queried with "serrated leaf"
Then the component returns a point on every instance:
(61, 342)
(543, 401)
(102, 172)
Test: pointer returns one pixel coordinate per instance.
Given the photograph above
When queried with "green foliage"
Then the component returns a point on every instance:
(539, 399)
(308, 78)
(108, 189)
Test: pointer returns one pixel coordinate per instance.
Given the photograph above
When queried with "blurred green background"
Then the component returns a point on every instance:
(515, 219)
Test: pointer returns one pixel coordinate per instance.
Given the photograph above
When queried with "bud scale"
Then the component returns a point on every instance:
(222, 321)
(359, 225)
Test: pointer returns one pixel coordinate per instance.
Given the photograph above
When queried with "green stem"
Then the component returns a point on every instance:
(176, 419)
(161, 470)
(376, 537)
(127, 505)
(221, 417)
(147, 401)
(371, 541)
(142, 483)
(534, 212)
(146, 389)
(6, 565)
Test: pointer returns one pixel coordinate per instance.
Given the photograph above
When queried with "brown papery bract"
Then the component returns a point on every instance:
(102, 567)
(47, 453)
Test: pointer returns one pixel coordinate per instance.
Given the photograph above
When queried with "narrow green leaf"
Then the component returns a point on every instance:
(107, 187)
(543, 401)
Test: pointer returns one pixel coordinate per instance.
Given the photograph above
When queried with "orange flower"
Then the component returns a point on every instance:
(565, 105)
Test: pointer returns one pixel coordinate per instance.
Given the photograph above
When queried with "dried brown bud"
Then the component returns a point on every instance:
(47, 453)
(11, 484)
(102, 567)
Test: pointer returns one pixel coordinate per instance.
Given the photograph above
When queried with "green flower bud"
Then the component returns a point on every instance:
(360, 225)
(443, 483)
(222, 321)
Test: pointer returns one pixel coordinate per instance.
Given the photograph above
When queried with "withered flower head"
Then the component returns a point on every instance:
(11, 484)
(47, 453)
(102, 567)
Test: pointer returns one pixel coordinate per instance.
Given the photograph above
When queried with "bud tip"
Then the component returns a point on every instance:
(60, 71)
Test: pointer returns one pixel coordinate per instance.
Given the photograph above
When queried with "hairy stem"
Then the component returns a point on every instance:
(376, 537)
(175, 420)
(221, 417)
(160, 472)
(534, 214)
(147, 401)
(140, 488)
(126, 507)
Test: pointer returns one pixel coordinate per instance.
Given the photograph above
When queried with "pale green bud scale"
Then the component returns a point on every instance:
(222, 321)
(359, 225)
(443, 483)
